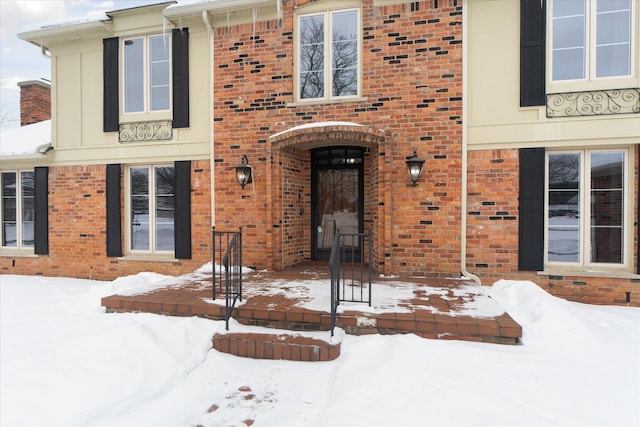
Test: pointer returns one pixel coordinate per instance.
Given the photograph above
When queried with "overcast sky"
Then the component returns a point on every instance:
(21, 61)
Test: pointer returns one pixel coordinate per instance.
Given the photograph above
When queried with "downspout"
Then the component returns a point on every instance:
(212, 183)
(465, 163)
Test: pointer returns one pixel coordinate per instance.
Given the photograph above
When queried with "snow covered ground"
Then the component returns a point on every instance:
(63, 361)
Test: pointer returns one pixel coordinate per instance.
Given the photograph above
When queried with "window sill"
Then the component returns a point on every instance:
(17, 253)
(589, 273)
(148, 258)
(302, 103)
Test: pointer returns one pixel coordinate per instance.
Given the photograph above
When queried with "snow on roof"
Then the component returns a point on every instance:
(64, 24)
(312, 125)
(25, 141)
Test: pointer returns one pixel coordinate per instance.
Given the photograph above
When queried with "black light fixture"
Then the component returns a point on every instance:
(414, 164)
(244, 171)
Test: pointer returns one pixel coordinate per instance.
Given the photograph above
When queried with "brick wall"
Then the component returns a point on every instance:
(77, 229)
(412, 89)
(35, 101)
(492, 230)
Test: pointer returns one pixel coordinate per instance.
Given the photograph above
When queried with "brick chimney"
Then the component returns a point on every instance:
(35, 101)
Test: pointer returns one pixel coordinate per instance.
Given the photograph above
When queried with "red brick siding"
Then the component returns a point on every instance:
(492, 231)
(77, 229)
(412, 83)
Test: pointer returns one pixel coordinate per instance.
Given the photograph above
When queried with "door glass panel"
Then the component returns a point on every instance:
(9, 209)
(564, 208)
(607, 207)
(165, 208)
(28, 209)
(140, 208)
(337, 196)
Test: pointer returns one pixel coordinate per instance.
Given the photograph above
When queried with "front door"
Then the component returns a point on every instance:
(337, 198)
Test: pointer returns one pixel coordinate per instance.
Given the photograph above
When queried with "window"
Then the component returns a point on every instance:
(151, 208)
(146, 74)
(18, 209)
(591, 39)
(587, 222)
(329, 58)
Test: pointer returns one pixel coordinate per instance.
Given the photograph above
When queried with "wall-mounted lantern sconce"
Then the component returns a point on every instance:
(414, 164)
(244, 172)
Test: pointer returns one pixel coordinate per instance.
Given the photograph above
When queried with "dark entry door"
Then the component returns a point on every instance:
(337, 197)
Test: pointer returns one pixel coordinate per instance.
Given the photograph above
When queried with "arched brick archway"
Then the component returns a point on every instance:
(323, 134)
(292, 172)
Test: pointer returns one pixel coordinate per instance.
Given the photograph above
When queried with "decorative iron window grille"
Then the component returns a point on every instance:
(593, 103)
(146, 131)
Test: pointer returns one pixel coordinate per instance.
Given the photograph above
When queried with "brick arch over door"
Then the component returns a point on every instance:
(292, 184)
(321, 134)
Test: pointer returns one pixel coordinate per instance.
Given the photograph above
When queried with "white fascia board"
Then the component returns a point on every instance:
(66, 30)
(215, 6)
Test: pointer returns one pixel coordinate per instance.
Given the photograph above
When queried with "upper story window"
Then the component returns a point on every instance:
(588, 221)
(591, 39)
(18, 209)
(328, 55)
(147, 74)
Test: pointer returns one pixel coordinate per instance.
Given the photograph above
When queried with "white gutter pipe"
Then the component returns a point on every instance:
(212, 183)
(465, 162)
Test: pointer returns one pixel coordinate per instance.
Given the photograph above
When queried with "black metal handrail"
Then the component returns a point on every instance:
(334, 268)
(351, 272)
(227, 268)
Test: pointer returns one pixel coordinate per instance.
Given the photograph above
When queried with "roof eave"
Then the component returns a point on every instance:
(178, 11)
(42, 36)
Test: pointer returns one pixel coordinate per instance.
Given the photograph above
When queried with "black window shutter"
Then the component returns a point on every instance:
(638, 227)
(532, 52)
(180, 53)
(41, 208)
(114, 223)
(110, 100)
(182, 228)
(531, 226)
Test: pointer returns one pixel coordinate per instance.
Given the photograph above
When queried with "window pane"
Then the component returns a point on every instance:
(564, 239)
(312, 56)
(569, 32)
(28, 208)
(613, 60)
(569, 35)
(140, 209)
(159, 72)
(160, 98)
(9, 209)
(134, 75)
(568, 64)
(345, 53)
(606, 208)
(564, 171)
(613, 27)
(564, 8)
(613, 38)
(607, 170)
(606, 245)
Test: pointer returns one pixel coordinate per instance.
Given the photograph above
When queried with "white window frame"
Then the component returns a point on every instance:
(152, 212)
(146, 72)
(590, 80)
(328, 56)
(584, 263)
(19, 246)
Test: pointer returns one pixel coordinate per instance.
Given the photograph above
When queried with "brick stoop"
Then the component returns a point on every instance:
(276, 347)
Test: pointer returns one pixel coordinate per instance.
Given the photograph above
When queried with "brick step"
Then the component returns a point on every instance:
(276, 347)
